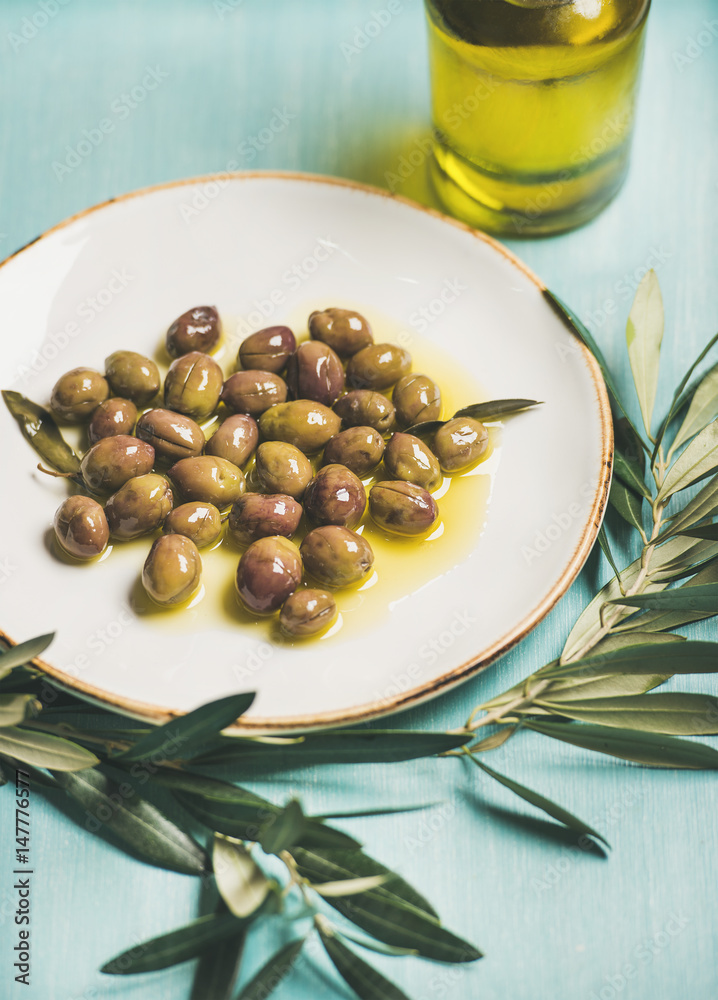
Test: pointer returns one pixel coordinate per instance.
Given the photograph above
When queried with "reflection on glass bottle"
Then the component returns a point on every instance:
(533, 104)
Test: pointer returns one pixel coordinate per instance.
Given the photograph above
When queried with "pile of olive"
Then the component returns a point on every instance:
(294, 431)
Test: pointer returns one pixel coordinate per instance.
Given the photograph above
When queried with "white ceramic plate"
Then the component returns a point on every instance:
(116, 275)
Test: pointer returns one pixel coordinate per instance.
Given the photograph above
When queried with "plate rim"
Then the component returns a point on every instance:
(431, 689)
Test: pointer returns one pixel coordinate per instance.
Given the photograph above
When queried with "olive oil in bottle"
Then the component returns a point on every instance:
(533, 104)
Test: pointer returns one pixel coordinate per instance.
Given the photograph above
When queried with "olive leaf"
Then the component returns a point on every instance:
(180, 737)
(644, 334)
(135, 822)
(581, 331)
(326, 865)
(370, 945)
(175, 947)
(704, 504)
(541, 802)
(45, 750)
(629, 459)
(702, 411)
(274, 973)
(218, 967)
(14, 708)
(494, 408)
(695, 599)
(39, 428)
(665, 658)
(350, 746)
(697, 461)
(367, 983)
(24, 652)
(655, 621)
(681, 398)
(633, 745)
(241, 882)
(379, 811)
(349, 886)
(709, 532)
(606, 549)
(628, 505)
(381, 911)
(284, 829)
(674, 714)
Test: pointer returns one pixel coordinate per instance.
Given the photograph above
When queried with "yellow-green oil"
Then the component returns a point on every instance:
(533, 107)
(401, 565)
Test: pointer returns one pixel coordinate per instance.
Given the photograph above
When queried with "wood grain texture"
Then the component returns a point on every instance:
(553, 921)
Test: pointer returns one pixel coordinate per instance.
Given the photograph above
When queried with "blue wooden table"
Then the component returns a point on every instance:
(194, 86)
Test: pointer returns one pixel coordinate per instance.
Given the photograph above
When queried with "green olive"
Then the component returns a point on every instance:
(78, 393)
(212, 480)
(268, 573)
(81, 527)
(201, 522)
(335, 496)
(172, 570)
(172, 435)
(193, 385)
(460, 443)
(315, 372)
(408, 458)
(336, 557)
(198, 329)
(139, 507)
(344, 330)
(282, 468)
(364, 408)
(378, 366)
(359, 448)
(235, 439)
(114, 460)
(113, 417)
(416, 398)
(259, 515)
(253, 392)
(402, 508)
(307, 612)
(268, 350)
(133, 376)
(303, 423)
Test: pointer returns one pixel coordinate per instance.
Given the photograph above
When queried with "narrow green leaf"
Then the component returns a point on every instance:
(135, 822)
(674, 714)
(699, 458)
(541, 802)
(494, 741)
(426, 429)
(24, 652)
(216, 974)
(694, 599)
(622, 640)
(641, 748)
(681, 399)
(14, 708)
(36, 776)
(629, 459)
(655, 621)
(390, 919)
(39, 428)
(241, 882)
(283, 830)
(703, 505)
(380, 811)
(175, 947)
(274, 973)
(669, 658)
(45, 750)
(332, 865)
(349, 886)
(583, 334)
(350, 746)
(375, 946)
(628, 473)
(606, 549)
(702, 411)
(708, 532)
(179, 737)
(628, 505)
(367, 983)
(496, 408)
(644, 334)
(3, 776)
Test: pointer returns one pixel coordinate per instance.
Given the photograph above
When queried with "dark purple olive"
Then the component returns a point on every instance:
(114, 416)
(198, 329)
(315, 372)
(235, 439)
(253, 392)
(268, 350)
(260, 515)
(268, 572)
(335, 496)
